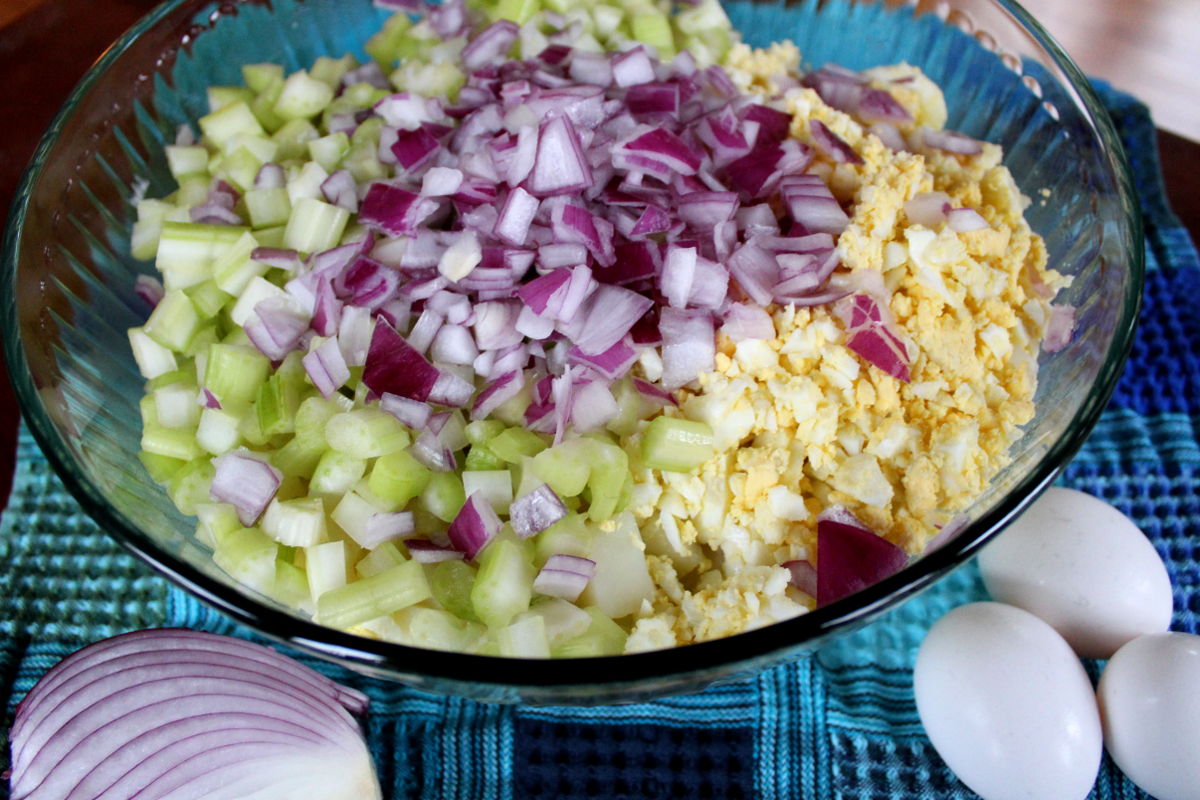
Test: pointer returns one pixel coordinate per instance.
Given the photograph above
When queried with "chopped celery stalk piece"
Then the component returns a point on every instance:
(384, 46)
(366, 433)
(621, 582)
(234, 373)
(249, 558)
(171, 442)
(564, 621)
(276, 405)
(336, 473)
(495, 486)
(174, 321)
(208, 298)
(330, 70)
(441, 79)
(221, 96)
(444, 496)
(314, 226)
(187, 250)
(186, 159)
(481, 458)
(603, 638)
(328, 151)
(291, 586)
(524, 638)
(437, 630)
(152, 358)
(160, 468)
(365, 599)
(514, 443)
(482, 431)
(189, 486)
(302, 97)
(676, 445)
(633, 408)
(293, 137)
(398, 478)
(451, 583)
(326, 567)
(654, 29)
(565, 467)
(519, 11)
(385, 556)
(569, 536)
(259, 77)
(268, 207)
(607, 20)
(299, 457)
(222, 125)
(175, 405)
(295, 523)
(217, 520)
(610, 467)
(504, 585)
(218, 431)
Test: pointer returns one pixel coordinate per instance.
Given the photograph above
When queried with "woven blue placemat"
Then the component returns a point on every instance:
(836, 725)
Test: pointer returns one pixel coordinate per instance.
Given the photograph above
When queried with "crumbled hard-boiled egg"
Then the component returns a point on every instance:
(801, 422)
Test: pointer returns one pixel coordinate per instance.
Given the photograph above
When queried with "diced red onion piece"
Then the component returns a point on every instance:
(497, 393)
(965, 220)
(927, 208)
(532, 513)
(326, 367)
(1059, 328)
(451, 390)
(150, 289)
(804, 576)
(851, 557)
(385, 527)
(516, 216)
(688, 348)
(413, 413)
(745, 321)
(393, 366)
(475, 525)
(247, 483)
(424, 551)
(632, 67)
(950, 142)
(561, 167)
(491, 43)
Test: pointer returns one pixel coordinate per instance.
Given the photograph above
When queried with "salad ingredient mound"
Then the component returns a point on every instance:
(578, 331)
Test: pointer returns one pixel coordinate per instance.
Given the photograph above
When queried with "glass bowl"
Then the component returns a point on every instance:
(68, 293)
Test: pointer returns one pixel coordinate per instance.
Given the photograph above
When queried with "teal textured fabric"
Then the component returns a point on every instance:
(838, 724)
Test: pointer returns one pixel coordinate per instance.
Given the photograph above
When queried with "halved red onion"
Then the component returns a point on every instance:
(207, 714)
(246, 483)
(474, 526)
(535, 511)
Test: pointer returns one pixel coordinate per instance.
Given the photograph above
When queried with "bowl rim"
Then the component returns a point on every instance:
(686, 667)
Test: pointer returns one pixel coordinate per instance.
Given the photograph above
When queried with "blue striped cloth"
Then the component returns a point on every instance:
(840, 723)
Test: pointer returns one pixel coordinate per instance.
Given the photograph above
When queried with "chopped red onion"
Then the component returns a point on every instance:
(950, 142)
(804, 576)
(688, 346)
(424, 551)
(927, 208)
(475, 525)
(393, 366)
(850, 556)
(497, 393)
(150, 289)
(385, 527)
(632, 67)
(832, 144)
(564, 576)
(561, 166)
(326, 367)
(1059, 328)
(536, 511)
(965, 220)
(247, 483)
(490, 44)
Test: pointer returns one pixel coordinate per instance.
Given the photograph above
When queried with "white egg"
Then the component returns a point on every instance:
(1150, 703)
(1085, 568)
(1007, 705)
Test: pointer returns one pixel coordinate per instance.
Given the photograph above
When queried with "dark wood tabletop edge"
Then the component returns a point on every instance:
(39, 73)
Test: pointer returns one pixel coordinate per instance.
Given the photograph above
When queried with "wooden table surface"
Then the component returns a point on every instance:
(1150, 48)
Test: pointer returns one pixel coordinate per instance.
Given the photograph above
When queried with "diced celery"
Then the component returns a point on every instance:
(268, 207)
(234, 269)
(259, 76)
(293, 137)
(240, 167)
(621, 582)
(171, 442)
(160, 468)
(249, 430)
(353, 514)
(481, 458)
(270, 237)
(451, 583)
(384, 46)
(519, 11)
(184, 374)
(442, 79)
(565, 467)
(295, 523)
(654, 29)
(336, 473)
(186, 251)
(676, 445)
(482, 431)
(514, 443)
(234, 373)
(603, 638)
(186, 159)
(314, 225)
(330, 70)
(189, 486)
(208, 298)
(437, 630)
(221, 96)
(249, 558)
(218, 430)
(569, 536)
(388, 591)
(610, 466)
(328, 151)
(299, 456)
(363, 163)
(607, 20)
(325, 565)
(398, 477)
(524, 638)
(494, 485)
(257, 290)
(276, 405)
(152, 358)
(443, 495)
(564, 621)
(303, 96)
(222, 125)
(174, 321)
(264, 108)
(312, 416)
(385, 556)
(291, 586)
(366, 433)
(175, 405)
(217, 520)
(634, 407)
(504, 585)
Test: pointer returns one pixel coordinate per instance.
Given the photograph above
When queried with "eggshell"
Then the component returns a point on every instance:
(1150, 705)
(1007, 705)
(1083, 567)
